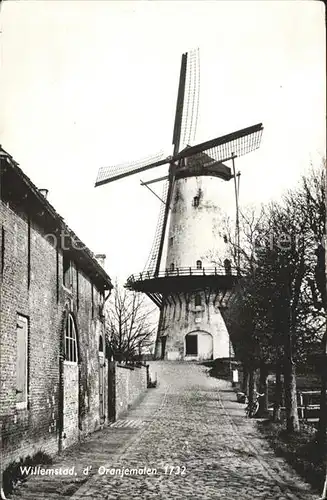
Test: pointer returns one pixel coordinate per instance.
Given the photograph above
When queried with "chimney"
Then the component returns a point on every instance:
(101, 258)
(44, 192)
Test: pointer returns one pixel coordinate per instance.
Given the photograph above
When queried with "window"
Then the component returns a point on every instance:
(77, 287)
(199, 264)
(70, 340)
(57, 272)
(28, 252)
(66, 276)
(2, 249)
(171, 241)
(191, 345)
(100, 344)
(196, 201)
(197, 300)
(172, 266)
(92, 300)
(22, 361)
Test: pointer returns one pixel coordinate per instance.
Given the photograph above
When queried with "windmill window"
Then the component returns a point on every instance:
(70, 340)
(199, 264)
(171, 241)
(197, 300)
(2, 249)
(196, 201)
(172, 266)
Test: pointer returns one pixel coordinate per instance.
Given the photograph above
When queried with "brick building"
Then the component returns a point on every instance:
(54, 369)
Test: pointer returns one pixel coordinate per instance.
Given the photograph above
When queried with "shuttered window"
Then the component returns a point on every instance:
(21, 360)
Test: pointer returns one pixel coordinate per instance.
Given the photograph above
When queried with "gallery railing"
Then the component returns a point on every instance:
(182, 271)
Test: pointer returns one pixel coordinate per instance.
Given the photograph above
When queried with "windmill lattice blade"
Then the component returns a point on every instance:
(191, 98)
(153, 256)
(110, 174)
(222, 148)
(180, 104)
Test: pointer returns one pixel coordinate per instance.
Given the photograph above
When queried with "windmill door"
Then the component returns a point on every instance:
(191, 345)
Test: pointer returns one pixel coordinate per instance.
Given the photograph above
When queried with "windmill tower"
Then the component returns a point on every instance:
(189, 290)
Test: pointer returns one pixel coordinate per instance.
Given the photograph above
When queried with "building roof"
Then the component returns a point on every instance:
(11, 174)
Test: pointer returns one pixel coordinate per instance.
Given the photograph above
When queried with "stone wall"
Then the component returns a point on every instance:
(182, 317)
(130, 384)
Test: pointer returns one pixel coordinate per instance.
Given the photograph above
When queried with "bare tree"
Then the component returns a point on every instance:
(130, 328)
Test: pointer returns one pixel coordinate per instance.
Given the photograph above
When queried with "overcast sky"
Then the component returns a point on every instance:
(87, 84)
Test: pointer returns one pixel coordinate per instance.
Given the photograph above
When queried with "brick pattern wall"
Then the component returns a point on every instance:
(131, 383)
(71, 431)
(35, 427)
(40, 296)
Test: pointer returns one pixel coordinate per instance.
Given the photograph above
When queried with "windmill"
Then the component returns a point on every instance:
(189, 291)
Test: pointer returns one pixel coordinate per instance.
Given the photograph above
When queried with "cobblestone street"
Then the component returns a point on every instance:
(193, 433)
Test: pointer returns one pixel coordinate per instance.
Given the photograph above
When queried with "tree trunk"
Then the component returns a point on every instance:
(245, 381)
(252, 385)
(263, 383)
(292, 418)
(278, 394)
(322, 426)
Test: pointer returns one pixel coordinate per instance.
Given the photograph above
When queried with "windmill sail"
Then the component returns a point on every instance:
(191, 99)
(110, 174)
(153, 256)
(179, 104)
(223, 148)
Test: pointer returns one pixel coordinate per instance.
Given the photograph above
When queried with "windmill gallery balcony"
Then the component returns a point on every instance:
(182, 279)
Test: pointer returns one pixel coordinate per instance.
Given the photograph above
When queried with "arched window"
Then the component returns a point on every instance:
(172, 266)
(199, 264)
(197, 300)
(70, 340)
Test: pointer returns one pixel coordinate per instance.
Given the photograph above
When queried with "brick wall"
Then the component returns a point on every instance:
(25, 430)
(131, 383)
(36, 292)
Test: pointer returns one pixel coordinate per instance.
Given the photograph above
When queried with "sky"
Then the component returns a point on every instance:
(88, 84)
